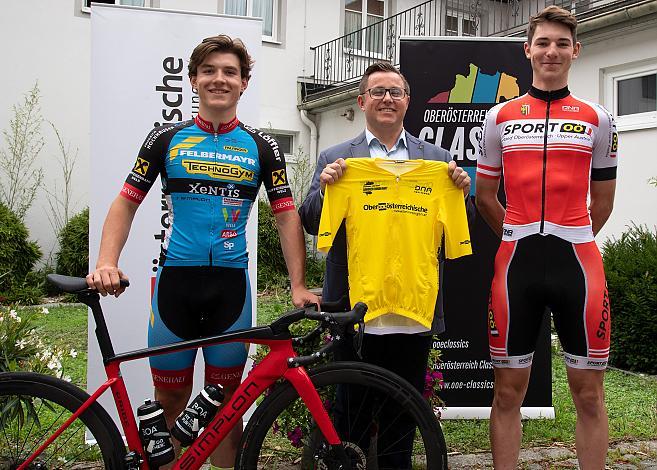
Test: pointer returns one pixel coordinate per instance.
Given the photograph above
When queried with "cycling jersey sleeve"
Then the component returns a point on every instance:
(605, 147)
(334, 210)
(489, 160)
(273, 174)
(453, 217)
(149, 164)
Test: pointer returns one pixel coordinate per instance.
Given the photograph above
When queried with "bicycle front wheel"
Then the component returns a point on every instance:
(33, 406)
(383, 422)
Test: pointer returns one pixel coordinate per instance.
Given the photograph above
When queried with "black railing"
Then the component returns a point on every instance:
(343, 60)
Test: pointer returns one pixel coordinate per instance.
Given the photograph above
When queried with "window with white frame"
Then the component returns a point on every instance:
(631, 95)
(285, 144)
(86, 4)
(458, 24)
(359, 14)
(265, 9)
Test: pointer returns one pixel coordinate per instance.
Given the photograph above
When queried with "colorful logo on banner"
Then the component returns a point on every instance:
(479, 87)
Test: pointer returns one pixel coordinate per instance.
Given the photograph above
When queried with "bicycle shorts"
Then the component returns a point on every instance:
(539, 272)
(191, 302)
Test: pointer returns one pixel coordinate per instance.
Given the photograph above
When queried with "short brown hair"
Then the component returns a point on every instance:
(221, 43)
(553, 14)
(381, 67)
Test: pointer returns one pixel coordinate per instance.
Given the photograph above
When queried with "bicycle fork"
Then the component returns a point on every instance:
(261, 377)
(300, 380)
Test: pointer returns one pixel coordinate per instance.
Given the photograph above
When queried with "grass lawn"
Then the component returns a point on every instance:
(631, 399)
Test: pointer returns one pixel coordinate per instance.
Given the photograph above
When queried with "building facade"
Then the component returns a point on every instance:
(313, 53)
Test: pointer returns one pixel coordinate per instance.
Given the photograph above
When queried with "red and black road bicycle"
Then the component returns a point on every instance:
(297, 423)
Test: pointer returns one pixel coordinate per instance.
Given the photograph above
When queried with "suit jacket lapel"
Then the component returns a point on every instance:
(415, 147)
(359, 148)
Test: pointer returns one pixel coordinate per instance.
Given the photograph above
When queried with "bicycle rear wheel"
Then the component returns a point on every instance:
(369, 406)
(33, 406)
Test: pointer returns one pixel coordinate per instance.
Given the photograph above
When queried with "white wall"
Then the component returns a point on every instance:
(635, 198)
(46, 41)
(56, 52)
(335, 128)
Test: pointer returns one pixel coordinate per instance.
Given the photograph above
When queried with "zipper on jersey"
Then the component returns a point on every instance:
(212, 211)
(545, 147)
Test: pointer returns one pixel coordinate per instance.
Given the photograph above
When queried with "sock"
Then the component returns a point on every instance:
(212, 467)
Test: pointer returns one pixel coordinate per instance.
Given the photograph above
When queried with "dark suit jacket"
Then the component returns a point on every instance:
(336, 283)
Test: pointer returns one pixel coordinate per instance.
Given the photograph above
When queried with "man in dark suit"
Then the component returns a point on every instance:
(395, 343)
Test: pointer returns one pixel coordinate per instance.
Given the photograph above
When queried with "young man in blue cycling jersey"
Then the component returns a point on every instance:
(211, 168)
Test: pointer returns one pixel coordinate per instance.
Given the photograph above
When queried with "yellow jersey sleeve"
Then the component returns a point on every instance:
(452, 215)
(334, 211)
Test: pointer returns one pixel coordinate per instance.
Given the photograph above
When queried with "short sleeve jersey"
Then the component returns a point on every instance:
(549, 146)
(210, 179)
(395, 214)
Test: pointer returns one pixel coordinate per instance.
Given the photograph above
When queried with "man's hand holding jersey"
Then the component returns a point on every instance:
(334, 171)
(459, 176)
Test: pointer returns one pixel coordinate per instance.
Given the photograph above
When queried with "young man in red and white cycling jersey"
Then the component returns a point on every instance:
(556, 152)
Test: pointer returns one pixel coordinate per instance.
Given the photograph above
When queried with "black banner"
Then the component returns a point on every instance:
(453, 83)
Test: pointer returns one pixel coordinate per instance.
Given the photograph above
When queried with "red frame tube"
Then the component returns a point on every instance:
(90, 401)
(273, 367)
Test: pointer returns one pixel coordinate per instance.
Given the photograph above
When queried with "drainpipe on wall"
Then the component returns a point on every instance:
(305, 118)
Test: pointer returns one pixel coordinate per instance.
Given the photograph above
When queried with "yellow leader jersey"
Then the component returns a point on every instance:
(395, 215)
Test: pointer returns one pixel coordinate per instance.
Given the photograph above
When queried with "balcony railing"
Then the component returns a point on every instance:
(343, 61)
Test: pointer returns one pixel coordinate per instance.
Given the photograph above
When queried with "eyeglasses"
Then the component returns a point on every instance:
(378, 93)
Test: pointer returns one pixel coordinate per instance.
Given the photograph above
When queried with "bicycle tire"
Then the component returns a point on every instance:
(53, 400)
(262, 446)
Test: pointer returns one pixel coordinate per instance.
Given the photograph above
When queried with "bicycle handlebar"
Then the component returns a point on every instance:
(340, 324)
(75, 285)
(333, 316)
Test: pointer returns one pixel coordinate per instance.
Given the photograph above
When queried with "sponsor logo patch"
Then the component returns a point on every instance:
(229, 201)
(141, 166)
(524, 109)
(228, 234)
(614, 143)
(420, 189)
(370, 186)
(278, 177)
(188, 143)
(383, 206)
(218, 170)
(230, 148)
(573, 128)
(234, 214)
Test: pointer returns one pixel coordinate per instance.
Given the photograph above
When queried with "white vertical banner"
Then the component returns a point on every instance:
(139, 81)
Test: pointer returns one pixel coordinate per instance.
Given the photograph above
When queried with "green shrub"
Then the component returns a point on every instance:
(631, 270)
(315, 271)
(21, 344)
(29, 291)
(272, 271)
(17, 253)
(73, 256)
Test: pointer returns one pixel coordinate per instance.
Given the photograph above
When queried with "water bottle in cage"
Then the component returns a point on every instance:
(155, 436)
(198, 414)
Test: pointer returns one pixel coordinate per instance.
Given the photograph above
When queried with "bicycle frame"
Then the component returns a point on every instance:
(273, 367)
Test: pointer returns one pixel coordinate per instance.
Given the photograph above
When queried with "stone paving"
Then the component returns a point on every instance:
(626, 455)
